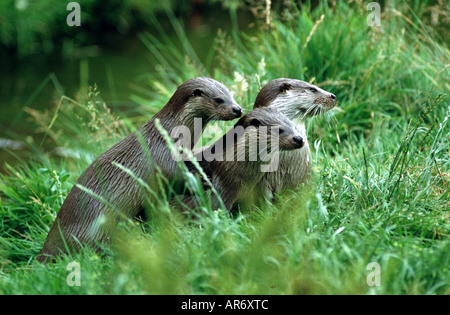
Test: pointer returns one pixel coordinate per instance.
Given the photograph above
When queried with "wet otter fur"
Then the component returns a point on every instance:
(234, 165)
(298, 100)
(89, 216)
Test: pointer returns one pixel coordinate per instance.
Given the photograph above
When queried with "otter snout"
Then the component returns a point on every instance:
(331, 101)
(228, 111)
(233, 110)
(236, 110)
(298, 141)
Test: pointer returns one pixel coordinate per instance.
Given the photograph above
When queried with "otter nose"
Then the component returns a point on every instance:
(298, 140)
(333, 97)
(237, 110)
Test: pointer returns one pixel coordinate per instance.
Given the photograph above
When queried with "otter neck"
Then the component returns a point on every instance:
(300, 125)
(186, 119)
(251, 147)
(293, 106)
(295, 115)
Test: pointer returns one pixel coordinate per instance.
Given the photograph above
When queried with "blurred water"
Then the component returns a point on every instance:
(39, 81)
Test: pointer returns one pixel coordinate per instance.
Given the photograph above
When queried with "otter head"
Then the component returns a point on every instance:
(278, 127)
(295, 98)
(207, 99)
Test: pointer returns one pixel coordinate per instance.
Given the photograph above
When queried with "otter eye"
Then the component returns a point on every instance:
(280, 131)
(197, 92)
(314, 90)
(219, 100)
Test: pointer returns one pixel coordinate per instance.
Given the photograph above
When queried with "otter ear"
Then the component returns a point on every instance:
(285, 86)
(255, 122)
(197, 92)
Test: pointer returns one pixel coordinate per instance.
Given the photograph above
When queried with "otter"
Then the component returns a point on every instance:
(234, 164)
(298, 100)
(88, 216)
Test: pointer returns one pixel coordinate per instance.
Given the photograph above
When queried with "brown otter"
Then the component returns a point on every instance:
(298, 100)
(234, 164)
(88, 216)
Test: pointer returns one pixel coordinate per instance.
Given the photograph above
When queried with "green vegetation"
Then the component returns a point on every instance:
(381, 187)
(29, 27)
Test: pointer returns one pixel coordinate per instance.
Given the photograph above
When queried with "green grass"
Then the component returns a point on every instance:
(381, 187)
